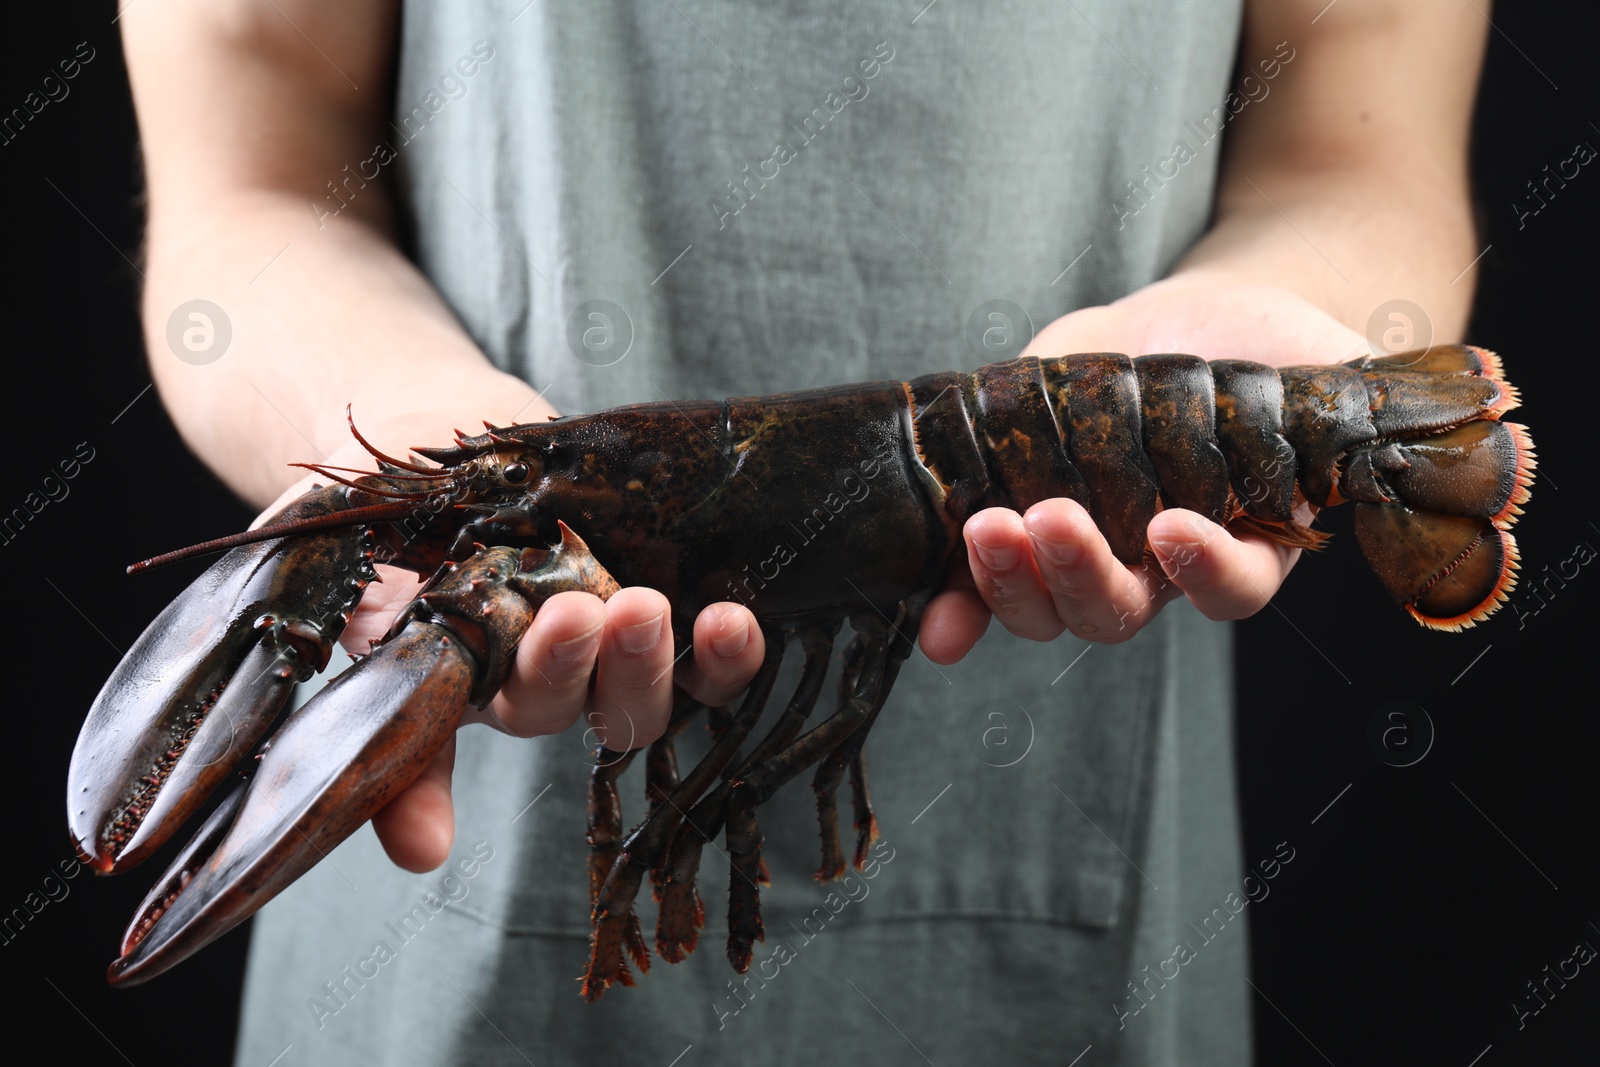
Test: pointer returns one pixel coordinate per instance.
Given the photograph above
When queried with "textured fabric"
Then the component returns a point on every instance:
(636, 200)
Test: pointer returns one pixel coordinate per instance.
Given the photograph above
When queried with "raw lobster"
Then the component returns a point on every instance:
(811, 508)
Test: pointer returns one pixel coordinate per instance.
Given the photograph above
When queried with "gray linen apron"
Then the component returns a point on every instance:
(638, 200)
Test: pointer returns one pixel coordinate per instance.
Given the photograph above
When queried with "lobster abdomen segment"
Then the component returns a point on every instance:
(1250, 424)
(1022, 423)
(1179, 406)
(1327, 413)
(1099, 394)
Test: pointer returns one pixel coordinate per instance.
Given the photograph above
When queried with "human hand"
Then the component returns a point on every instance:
(1051, 570)
(610, 662)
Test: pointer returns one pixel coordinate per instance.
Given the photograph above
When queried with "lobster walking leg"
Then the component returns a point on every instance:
(827, 805)
(676, 937)
(825, 784)
(605, 811)
(851, 754)
(661, 778)
(747, 869)
(661, 765)
(645, 846)
(866, 820)
(605, 816)
(836, 742)
(680, 913)
(661, 770)
(762, 781)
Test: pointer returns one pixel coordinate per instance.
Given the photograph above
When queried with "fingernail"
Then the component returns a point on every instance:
(1174, 555)
(729, 645)
(579, 648)
(996, 558)
(640, 637)
(1057, 552)
(1201, 532)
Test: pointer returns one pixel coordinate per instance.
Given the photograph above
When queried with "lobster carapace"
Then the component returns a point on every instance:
(811, 508)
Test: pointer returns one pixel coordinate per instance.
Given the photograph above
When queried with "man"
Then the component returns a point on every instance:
(764, 200)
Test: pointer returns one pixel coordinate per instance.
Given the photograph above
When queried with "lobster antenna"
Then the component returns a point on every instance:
(353, 517)
(440, 475)
(372, 490)
(350, 418)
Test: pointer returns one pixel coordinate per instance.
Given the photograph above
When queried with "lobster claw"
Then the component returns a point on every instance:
(354, 747)
(206, 679)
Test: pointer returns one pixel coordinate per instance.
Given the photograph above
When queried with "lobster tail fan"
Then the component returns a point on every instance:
(1438, 491)
(1441, 544)
(1449, 572)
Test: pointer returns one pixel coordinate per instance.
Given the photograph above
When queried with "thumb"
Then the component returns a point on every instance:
(417, 827)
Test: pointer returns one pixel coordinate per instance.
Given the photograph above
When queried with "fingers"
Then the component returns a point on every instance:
(1052, 570)
(625, 643)
(633, 682)
(417, 826)
(1000, 559)
(630, 640)
(728, 650)
(955, 619)
(548, 686)
(1227, 577)
(1095, 595)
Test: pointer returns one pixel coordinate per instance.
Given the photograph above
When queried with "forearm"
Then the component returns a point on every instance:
(338, 317)
(1348, 184)
(247, 110)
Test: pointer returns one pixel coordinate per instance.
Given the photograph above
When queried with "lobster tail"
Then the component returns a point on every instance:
(1434, 509)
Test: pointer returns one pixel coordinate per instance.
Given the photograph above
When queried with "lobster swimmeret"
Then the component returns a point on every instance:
(811, 508)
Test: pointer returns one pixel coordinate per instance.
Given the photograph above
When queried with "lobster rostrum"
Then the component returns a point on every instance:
(811, 508)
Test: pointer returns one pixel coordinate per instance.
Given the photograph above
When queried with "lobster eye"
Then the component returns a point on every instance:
(515, 473)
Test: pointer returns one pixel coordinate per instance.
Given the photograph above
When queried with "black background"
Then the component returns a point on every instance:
(1419, 903)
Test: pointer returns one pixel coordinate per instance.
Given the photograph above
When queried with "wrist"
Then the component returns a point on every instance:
(1346, 242)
